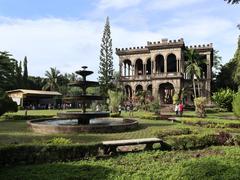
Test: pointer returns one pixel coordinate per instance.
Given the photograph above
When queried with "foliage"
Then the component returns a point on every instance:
(233, 1)
(236, 104)
(212, 122)
(154, 106)
(224, 98)
(173, 132)
(185, 142)
(52, 79)
(193, 68)
(7, 68)
(175, 99)
(7, 104)
(106, 61)
(35, 154)
(60, 141)
(217, 59)
(224, 78)
(25, 73)
(116, 98)
(236, 59)
(200, 103)
(210, 163)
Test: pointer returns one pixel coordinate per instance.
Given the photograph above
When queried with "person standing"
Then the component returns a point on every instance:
(180, 108)
(176, 109)
(119, 109)
(131, 109)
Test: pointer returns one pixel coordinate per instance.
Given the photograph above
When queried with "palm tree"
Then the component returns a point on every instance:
(51, 80)
(193, 67)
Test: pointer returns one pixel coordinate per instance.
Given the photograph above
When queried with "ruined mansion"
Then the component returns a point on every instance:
(159, 69)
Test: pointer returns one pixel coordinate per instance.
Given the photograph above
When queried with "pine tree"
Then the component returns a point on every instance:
(18, 75)
(25, 72)
(106, 60)
(236, 60)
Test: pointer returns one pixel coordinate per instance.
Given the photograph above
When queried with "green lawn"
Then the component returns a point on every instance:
(218, 163)
(211, 163)
(13, 130)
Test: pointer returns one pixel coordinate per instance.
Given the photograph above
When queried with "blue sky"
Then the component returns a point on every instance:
(67, 33)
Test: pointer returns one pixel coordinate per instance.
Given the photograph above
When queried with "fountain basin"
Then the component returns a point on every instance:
(97, 125)
(83, 118)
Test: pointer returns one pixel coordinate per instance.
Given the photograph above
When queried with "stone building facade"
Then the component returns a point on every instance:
(159, 69)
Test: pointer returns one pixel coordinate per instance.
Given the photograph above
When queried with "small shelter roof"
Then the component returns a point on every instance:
(35, 92)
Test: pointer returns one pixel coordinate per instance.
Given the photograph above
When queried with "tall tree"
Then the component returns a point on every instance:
(7, 68)
(106, 60)
(232, 1)
(193, 67)
(25, 72)
(236, 59)
(52, 80)
(19, 76)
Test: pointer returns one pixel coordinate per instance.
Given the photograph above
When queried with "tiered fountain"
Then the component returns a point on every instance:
(82, 121)
(83, 117)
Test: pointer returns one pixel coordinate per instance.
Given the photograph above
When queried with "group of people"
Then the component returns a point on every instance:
(128, 107)
(179, 109)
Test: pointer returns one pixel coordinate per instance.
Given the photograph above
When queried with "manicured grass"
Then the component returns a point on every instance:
(15, 131)
(212, 163)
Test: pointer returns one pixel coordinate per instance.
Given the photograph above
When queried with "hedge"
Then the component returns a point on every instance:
(212, 123)
(36, 154)
(187, 142)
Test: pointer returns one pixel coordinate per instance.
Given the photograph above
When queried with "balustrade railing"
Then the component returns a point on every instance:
(152, 76)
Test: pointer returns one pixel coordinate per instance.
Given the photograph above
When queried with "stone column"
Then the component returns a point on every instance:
(209, 76)
(152, 67)
(133, 70)
(177, 64)
(129, 70)
(125, 69)
(120, 69)
(155, 90)
(165, 64)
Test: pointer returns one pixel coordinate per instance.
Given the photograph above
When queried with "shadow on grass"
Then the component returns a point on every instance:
(207, 168)
(56, 171)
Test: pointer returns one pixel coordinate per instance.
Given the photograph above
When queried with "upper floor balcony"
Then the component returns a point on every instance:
(167, 75)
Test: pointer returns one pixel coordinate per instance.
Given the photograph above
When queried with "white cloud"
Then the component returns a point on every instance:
(65, 44)
(117, 4)
(69, 44)
(169, 4)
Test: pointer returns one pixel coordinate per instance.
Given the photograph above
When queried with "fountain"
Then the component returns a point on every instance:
(83, 117)
(82, 121)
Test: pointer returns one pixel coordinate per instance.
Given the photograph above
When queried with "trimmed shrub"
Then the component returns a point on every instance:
(173, 132)
(224, 98)
(175, 99)
(186, 142)
(115, 98)
(36, 154)
(7, 104)
(59, 141)
(154, 106)
(200, 104)
(236, 104)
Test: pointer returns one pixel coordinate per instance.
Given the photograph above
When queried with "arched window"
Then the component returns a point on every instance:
(128, 91)
(149, 67)
(171, 63)
(139, 88)
(127, 67)
(139, 67)
(159, 64)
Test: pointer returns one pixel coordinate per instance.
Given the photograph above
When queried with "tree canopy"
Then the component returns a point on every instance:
(232, 1)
